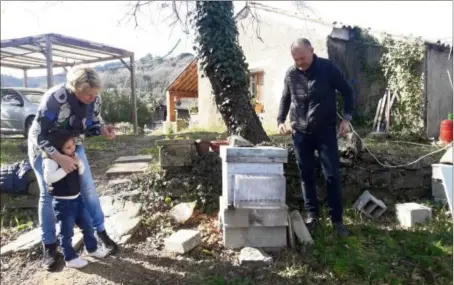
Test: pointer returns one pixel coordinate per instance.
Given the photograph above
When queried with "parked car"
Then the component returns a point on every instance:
(18, 109)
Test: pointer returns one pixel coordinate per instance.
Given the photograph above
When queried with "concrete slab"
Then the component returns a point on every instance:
(135, 158)
(31, 240)
(121, 221)
(300, 229)
(183, 241)
(127, 168)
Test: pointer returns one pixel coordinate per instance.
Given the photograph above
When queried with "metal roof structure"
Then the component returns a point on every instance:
(50, 51)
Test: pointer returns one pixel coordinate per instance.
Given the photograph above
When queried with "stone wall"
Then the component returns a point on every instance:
(364, 173)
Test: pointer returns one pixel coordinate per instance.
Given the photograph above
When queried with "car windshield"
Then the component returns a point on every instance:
(33, 96)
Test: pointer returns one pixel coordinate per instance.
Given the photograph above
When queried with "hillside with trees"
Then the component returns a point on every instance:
(153, 75)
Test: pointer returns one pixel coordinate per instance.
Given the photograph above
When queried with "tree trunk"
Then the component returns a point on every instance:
(223, 62)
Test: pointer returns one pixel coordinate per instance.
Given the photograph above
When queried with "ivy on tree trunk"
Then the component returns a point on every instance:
(223, 62)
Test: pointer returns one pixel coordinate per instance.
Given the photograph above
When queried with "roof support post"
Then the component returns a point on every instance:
(133, 93)
(170, 106)
(25, 78)
(49, 63)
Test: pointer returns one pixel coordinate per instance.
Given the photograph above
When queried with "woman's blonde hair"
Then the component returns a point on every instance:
(79, 78)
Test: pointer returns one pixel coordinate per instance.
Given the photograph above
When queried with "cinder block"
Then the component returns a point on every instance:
(252, 216)
(182, 241)
(259, 190)
(369, 205)
(260, 237)
(438, 191)
(409, 214)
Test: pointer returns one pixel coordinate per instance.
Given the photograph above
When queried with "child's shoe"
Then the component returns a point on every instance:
(77, 263)
(99, 253)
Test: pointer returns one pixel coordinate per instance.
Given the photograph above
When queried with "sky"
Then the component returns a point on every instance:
(107, 22)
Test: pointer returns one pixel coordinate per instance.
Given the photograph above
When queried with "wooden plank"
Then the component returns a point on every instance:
(127, 168)
(388, 109)
(134, 158)
(374, 126)
(381, 113)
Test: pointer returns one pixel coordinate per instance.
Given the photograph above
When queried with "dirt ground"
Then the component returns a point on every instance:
(377, 253)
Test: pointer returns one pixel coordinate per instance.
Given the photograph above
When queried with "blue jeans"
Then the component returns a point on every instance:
(324, 141)
(87, 191)
(70, 213)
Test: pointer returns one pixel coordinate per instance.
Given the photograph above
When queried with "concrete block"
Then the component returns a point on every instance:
(252, 216)
(291, 234)
(135, 158)
(175, 153)
(300, 229)
(438, 191)
(409, 214)
(260, 237)
(369, 205)
(250, 255)
(259, 190)
(229, 170)
(182, 241)
(127, 168)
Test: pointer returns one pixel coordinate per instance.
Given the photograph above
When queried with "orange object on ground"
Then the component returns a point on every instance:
(446, 130)
(216, 145)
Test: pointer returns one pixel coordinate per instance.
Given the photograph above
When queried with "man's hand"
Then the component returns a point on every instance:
(344, 128)
(108, 131)
(282, 129)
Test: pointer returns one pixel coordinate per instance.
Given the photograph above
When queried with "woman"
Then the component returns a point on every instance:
(73, 106)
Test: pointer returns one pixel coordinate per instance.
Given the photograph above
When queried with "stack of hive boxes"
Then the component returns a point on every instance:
(252, 206)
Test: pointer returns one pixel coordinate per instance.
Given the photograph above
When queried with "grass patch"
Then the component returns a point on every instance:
(10, 151)
(381, 253)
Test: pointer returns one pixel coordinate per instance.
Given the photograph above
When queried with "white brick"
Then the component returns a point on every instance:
(252, 216)
(409, 214)
(259, 190)
(261, 237)
(182, 241)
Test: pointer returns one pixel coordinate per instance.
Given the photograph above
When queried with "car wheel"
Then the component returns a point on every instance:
(28, 124)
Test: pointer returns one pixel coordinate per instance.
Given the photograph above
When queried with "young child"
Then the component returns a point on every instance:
(68, 203)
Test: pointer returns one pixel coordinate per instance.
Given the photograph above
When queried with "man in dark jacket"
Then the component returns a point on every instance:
(310, 94)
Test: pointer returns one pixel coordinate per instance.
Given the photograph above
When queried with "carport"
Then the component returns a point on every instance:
(52, 50)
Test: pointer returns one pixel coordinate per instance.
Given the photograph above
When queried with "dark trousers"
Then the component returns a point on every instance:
(70, 213)
(324, 141)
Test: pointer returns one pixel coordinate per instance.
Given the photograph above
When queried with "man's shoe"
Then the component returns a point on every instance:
(340, 230)
(311, 223)
(50, 256)
(108, 242)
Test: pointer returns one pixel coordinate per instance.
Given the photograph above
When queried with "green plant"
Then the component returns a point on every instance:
(402, 65)
(363, 39)
(194, 108)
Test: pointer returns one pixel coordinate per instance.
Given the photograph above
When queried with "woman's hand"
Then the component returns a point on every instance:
(68, 164)
(108, 131)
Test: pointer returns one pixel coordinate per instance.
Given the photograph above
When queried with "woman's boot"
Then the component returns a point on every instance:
(108, 242)
(49, 256)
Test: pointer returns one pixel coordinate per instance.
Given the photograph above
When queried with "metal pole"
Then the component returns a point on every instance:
(25, 78)
(49, 62)
(133, 93)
